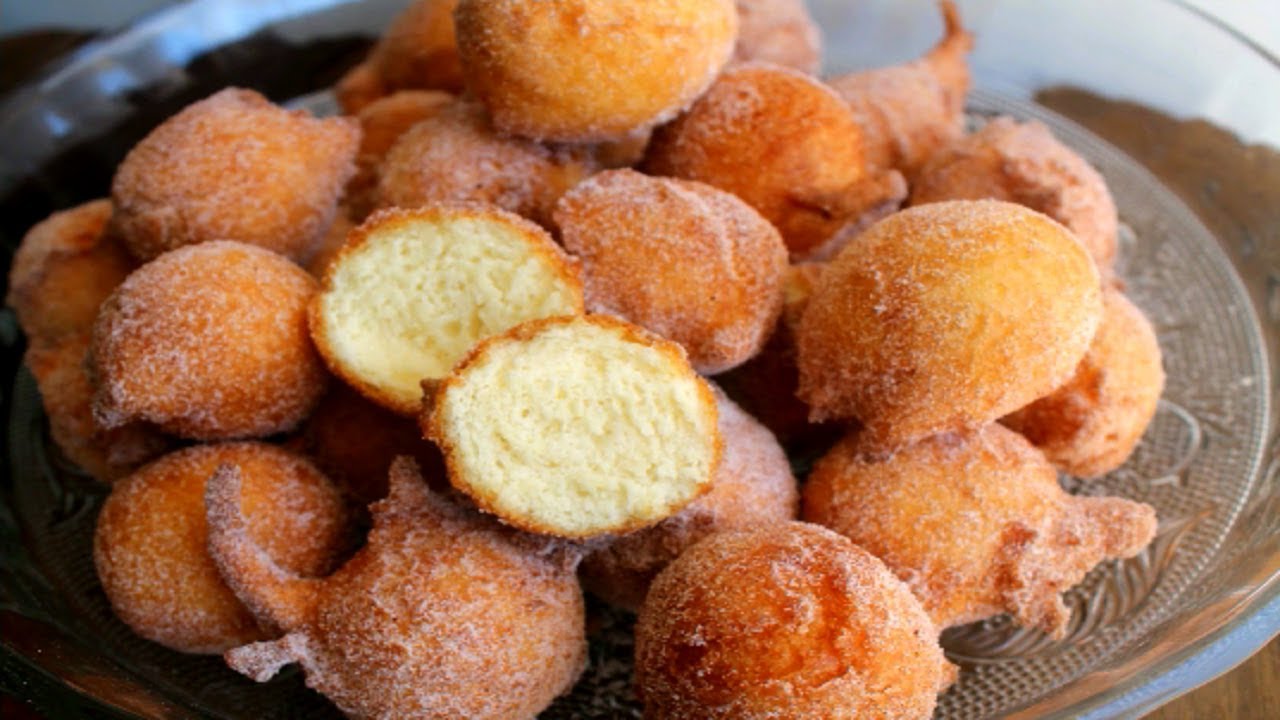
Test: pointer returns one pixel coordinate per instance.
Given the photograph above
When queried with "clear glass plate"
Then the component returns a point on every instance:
(1201, 254)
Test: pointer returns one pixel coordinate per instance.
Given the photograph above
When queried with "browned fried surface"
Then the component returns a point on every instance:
(778, 31)
(233, 166)
(786, 621)
(947, 316)
(1089, 426)
(382, 122)
(209, 342)
(976, 524)
(683, 259)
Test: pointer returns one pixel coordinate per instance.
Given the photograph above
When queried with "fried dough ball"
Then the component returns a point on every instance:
(766, 384)
(787, 145)
(947, 316)
(413, 290)
(975, 523)
(652, 248)
(577, 427)
(59, 368)
(1091, 425)
(1024, 163)
(790, 620)
(354, 441)
(780, 32)
(909, 113)
(330, 245)
(65, 267)
(418, 51)
(209, 342)
(234, 167)
(382, 122)
(752, 486)
(359, 87)
(591, 70)
(150, 543)
(455, 155)
(440, 615)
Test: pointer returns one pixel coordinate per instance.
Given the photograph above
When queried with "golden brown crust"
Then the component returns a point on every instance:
(382, 122)
(1024, 163)
(209, 342)
(780, 32)
(233, 166)
(418, 51)
(651, 248)
(386, 220)
(591, 70)
(455, 155)
(908, 113)
(433, 428)
(790, 620)
(150, 541)
(947, 316)
(359, 87)
(975, 523)
(1090, 426)
(441, 614)
(65, 267)
(784, 143)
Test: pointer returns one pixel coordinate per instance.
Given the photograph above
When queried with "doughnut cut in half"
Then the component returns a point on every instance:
(577, 427)
(413, 290)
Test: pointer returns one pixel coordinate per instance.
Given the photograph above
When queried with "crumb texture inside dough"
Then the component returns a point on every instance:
(581, 430)
(411, 301)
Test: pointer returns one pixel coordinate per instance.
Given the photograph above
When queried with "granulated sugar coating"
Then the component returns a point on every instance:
(787, 621)
(209, 342)
(61, 373)
(947, 316)
(1024, 163)
(976, 524)
(787, 145)
(455, 155)
(65, 267)
(780, 32)
(150, 551)
(233, 167)
(591, 70)
(683, 259)
(382, 122)
(441, 615)
(1089, 426)
(752, 487)
(908, 113)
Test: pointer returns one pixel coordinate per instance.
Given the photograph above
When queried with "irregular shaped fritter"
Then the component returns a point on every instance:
(975, 523)
(440, 615)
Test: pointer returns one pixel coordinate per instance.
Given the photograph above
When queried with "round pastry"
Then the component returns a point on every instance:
(440, 615)
(752, 487)
(209, 342)
(947, 316)
(233, 166)
(150, 543)
(382, 122)
(791, 621)
(651, 248)
(1024, 163)
(413, 290)
(418, 51)
(336, 236)
(66, 392)
(1090, 426)
(354, 441)
(975, 523)
(65, 267)
(591, 70)
(576, 427)
(359, 87)
(908, 113)
(780, 32)
(455, 155)
(787, 145)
